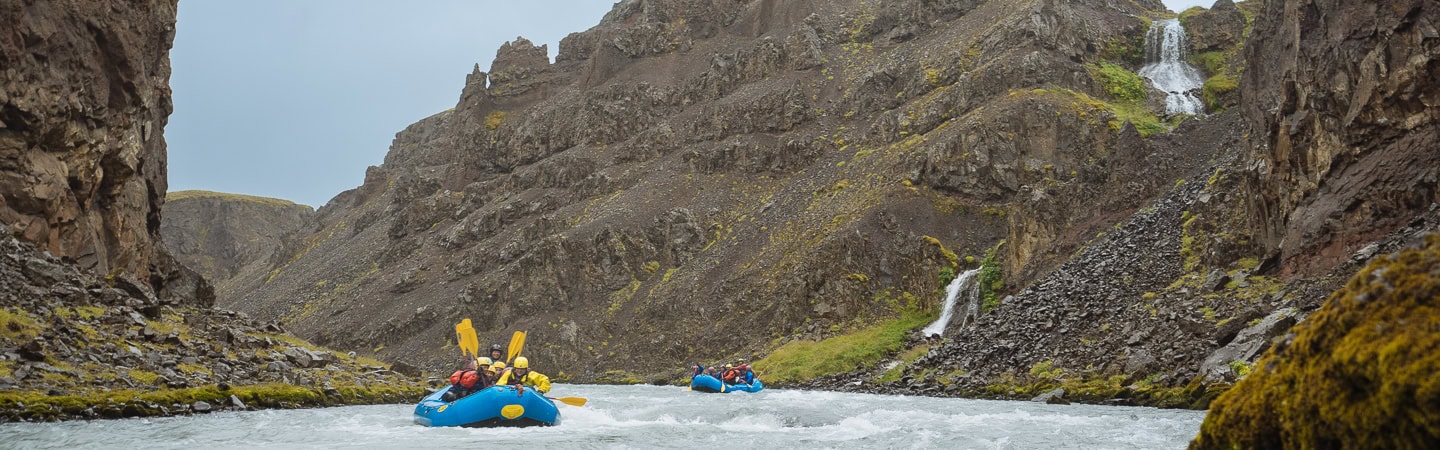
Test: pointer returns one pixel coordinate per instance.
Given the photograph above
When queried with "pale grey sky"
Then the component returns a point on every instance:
(294, 99)
(1181, 5)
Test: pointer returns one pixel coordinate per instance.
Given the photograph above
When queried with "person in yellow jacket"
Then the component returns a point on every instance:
(522, 375)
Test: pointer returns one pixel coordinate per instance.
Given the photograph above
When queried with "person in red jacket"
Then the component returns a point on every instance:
(468, 380)
(730, 374)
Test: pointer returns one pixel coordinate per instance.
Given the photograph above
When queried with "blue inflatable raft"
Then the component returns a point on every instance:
(495, 406)
(707, 383)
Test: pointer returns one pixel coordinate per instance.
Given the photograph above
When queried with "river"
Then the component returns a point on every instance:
(658, 417)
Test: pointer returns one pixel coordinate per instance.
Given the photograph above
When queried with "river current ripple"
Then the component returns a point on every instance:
(658, 417)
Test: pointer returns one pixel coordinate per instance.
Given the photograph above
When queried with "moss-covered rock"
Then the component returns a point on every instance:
(1361, 371)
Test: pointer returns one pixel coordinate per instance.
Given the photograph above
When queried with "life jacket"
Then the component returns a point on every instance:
(464, 378)
(731, 375)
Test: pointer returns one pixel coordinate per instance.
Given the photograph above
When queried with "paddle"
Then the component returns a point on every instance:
(465, 338)
(572, 401)
(517, 341)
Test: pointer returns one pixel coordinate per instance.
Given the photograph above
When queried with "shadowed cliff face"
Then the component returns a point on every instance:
(1344, 150)
(83, 104)
(97, 319)
(1344, 105)
(218, 234)
(687, 168)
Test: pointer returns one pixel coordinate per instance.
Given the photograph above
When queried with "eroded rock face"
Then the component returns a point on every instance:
(686, 167)
(218, 234)
(83, 106)
(1343, 98)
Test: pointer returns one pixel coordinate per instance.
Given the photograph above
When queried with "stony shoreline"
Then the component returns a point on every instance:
(74, 345)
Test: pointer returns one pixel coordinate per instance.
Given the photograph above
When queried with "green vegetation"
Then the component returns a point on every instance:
(949, 255)
(800, 360)
(992, 279)
(127, 403)
(1215, 87)
(194, 194)
(1045, 377)
(17, 325)
(906, 359)
(1121, 84)
(1046, 370)
(83, 312)
(1145, 121)
(494, 120)
(1360, 369)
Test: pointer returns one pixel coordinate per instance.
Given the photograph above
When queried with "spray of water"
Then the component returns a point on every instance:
(1165, 66)
(952, 295)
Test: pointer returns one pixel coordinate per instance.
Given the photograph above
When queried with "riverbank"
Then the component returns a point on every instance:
(74, 345)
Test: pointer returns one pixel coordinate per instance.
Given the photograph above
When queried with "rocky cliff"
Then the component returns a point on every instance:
(97, 319)
(219, 234)
(1325, 174)
(83, 107)
(1345, 127)
(790, 169)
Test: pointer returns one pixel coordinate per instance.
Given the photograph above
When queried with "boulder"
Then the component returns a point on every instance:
(1055, 397)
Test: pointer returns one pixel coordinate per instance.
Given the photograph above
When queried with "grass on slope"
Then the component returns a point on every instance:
(186, 195)
(799, 361)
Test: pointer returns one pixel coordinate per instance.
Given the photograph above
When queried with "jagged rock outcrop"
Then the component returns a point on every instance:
(83, 107)
(75, 345)
(1215, 29)
(219, 234)
(97, 319)
(1346, 123)
(686, 167)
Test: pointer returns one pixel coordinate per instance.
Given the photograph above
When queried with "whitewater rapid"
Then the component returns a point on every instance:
(658, 417)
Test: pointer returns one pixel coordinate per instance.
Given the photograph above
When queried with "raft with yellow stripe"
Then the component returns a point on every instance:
(495, 406)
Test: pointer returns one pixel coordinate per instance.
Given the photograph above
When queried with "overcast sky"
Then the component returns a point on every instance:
(294, 99)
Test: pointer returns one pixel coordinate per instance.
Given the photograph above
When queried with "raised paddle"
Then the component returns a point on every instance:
(517, 341)
(465, 338)
(572, 401)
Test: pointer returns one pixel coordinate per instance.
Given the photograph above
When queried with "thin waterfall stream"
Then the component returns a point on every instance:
(952, 294)
(1165, 66)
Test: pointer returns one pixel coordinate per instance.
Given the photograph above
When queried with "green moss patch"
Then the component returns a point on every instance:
(1360, 371)
(17, 325)
(195, 194)
(799, 361)
(19, 405)
(1215, 87)
(1122, 84)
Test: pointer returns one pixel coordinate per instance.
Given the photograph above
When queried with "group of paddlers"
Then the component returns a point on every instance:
(483, 372)
(729, 374)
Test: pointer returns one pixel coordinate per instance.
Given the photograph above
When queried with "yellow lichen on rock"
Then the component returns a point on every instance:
(1362, 371)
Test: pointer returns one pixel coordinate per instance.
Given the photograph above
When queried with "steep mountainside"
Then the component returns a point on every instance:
(1345, 150)
(219, 234)
(759, 170)
(97, 319)
(1336, 169)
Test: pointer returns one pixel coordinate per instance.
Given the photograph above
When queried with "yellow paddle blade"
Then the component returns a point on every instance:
(517, 341)
(572, 401)
(465, 338)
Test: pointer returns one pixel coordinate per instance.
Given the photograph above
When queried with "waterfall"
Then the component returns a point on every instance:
(1166, 67)
(952, 294)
